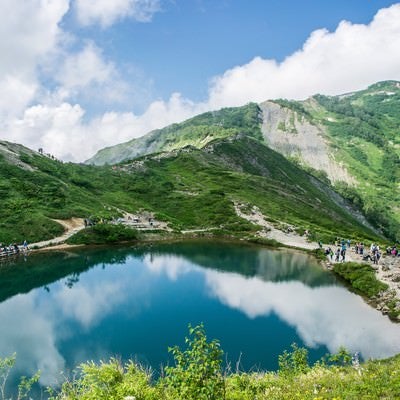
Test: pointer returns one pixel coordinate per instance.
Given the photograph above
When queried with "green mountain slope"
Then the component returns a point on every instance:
(351, 141)
(196, 131)
(355, 142)
(189, 188)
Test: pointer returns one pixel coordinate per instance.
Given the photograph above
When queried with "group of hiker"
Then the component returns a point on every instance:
(13, 249)
(374, 254)
(393, 251)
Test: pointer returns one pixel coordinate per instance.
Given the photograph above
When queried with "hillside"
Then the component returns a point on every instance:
(353, 140)
(188, 188)
(196, 132)
(350, 141)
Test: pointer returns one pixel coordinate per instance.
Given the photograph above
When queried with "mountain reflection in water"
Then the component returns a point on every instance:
(92, 304)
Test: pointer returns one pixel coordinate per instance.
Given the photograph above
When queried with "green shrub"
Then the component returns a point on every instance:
(109, 381)
(197, 373)
(294, 362)
(104, 233)
(361, 277)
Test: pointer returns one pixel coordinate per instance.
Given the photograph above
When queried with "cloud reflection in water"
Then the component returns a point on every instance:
(36, 325)
(326, 315)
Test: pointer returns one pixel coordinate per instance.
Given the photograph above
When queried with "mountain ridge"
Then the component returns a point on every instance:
(186, 188)
(351, 141)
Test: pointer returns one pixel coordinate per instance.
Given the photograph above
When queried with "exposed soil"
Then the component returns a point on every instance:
(72, 226)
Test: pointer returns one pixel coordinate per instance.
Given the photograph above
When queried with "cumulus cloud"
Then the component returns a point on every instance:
(350, 58)
(29, 31)
(85, 68)
(106, 12)
(62, 130)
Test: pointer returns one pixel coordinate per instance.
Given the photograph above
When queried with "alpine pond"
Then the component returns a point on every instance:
(62, 308)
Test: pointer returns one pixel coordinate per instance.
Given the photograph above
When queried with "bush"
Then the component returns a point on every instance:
(104, 233)
(197, 372)
(294, 362)
(109, 381)
(361, 277)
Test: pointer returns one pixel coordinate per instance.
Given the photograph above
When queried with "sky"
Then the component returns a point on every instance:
(80, 75)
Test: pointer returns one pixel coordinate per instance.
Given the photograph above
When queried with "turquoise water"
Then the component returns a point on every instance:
(61, 308)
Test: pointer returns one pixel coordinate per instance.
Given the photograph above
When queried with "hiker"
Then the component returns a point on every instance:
(343, 253)
(337, 254)
(320, 244)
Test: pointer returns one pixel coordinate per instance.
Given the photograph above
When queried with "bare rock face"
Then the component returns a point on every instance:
(12, 153)
(292, 135)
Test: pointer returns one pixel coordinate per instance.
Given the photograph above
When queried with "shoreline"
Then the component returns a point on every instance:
(386, 271)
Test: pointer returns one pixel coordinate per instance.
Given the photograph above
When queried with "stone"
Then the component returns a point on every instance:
(396, 278)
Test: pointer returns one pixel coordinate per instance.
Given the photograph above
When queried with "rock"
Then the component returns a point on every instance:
(396, 278)
(385, 268)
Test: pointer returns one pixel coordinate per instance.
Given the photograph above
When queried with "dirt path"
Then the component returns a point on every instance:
(71, 226)
(387, 271)
(289, 238)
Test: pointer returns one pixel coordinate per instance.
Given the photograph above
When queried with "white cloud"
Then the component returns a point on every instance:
(62, 131)
(106, 12)
(85, 68)
(350, 58)
(29, 31)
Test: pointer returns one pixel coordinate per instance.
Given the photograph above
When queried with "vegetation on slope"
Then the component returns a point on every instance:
(364, 130)
(197, 132)
(362, 127)
(190, 189)
(198, 187)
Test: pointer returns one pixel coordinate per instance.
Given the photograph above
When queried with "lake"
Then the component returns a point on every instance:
(61, 308)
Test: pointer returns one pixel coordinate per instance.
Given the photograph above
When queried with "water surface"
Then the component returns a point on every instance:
(59, 309)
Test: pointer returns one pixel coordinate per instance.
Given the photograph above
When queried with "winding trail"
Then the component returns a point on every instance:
(71, 226)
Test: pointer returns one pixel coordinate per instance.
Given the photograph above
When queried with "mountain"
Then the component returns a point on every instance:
(351, 141)
(196, 132)
(189, 188)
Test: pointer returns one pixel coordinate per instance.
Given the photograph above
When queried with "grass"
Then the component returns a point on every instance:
(361, 277)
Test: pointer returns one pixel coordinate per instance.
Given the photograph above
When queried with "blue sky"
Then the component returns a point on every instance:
(79, 75)
(189, 41)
